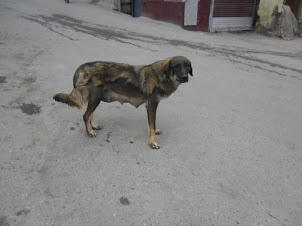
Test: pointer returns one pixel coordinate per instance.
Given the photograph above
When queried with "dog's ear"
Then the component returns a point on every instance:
(191, 70)
(167, 67)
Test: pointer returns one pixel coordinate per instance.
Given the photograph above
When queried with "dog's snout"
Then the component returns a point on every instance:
(184, 78)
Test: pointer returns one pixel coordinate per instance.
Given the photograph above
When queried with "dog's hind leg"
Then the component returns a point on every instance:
(94, 124)
(88, 117)
(93, 101)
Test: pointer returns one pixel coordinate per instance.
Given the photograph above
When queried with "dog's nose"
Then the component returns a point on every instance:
(185, 78)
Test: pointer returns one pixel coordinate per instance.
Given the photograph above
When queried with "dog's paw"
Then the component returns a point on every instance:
(92, 133)
(158, 132)
(96, 126)
(154, 145)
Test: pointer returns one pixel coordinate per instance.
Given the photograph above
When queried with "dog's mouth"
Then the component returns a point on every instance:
(183, 79)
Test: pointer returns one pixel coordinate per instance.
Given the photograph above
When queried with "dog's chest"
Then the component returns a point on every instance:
(168, 87)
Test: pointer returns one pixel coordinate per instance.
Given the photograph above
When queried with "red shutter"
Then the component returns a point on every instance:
(233, 8)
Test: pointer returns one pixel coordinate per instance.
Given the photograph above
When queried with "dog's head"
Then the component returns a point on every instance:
(178, 67)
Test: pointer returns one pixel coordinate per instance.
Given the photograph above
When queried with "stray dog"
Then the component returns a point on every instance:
(108, 82)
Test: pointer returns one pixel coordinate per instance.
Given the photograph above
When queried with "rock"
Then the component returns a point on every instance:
(277, 22)
(289, 25)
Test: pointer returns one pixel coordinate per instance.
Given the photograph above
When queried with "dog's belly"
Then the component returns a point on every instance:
(110, 96)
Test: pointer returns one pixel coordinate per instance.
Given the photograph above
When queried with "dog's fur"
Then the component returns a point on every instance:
(108, 81)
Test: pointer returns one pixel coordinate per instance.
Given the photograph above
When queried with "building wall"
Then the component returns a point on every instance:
(204, 8)
(174, 12)
(294, 6)
(165, 11)
(109, 4)
(299, 17)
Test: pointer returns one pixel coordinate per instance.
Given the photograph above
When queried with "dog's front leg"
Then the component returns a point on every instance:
(151, 107)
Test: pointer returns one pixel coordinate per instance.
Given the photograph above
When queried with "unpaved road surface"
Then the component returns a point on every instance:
(231, 148)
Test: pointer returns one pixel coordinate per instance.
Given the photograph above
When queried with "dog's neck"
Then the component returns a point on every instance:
(169, 85)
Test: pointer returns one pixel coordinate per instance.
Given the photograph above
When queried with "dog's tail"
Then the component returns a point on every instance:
(74, 99)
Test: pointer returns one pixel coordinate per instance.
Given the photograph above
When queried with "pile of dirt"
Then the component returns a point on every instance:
(282, 23)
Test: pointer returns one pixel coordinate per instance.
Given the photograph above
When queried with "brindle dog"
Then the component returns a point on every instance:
(108, 82)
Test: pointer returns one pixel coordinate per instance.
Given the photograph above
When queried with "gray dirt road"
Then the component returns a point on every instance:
(231, 148)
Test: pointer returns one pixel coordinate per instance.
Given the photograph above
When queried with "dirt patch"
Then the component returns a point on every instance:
(22, 212)
(2, 79)
(30, 109)
(29, 80)
(3, 221)
(124, 201)
(108, 136)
